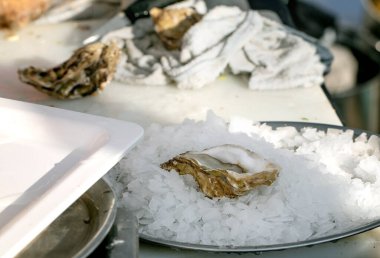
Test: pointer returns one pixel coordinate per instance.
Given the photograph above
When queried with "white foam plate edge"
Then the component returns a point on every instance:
(87, 165)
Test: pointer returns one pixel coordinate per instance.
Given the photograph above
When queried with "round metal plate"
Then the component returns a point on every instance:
(80, 229)
(272, 247)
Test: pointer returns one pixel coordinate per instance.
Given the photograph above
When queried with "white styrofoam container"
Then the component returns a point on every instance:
(48, 158)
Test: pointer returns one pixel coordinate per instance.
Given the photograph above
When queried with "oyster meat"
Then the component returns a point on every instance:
(225, 170)
(172, 24)
(87, 72)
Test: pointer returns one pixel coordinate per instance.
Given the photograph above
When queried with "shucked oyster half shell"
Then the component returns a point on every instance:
(225, 170)
(87, 72)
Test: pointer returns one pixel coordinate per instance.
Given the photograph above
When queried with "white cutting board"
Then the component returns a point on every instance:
(48, 158)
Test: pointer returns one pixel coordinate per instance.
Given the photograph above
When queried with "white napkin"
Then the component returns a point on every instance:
(226, 37)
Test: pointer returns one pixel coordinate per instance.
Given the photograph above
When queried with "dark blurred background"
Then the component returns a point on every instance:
(350, 29)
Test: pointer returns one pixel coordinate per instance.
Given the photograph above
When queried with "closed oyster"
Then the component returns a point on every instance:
(87, 72)
(15, 14)
(172, 24)
(225, 171)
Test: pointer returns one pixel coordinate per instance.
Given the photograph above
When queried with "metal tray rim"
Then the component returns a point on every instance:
(105, 228)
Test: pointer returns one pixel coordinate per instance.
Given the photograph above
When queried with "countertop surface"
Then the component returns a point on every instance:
(49, 45)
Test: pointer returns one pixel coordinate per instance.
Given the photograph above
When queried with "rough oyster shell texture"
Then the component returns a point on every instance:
(225, 170)
(87, 72)
(172, 24)
(18, 13)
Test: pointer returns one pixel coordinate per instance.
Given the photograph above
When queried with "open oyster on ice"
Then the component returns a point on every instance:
(87, 72)
(225, 170)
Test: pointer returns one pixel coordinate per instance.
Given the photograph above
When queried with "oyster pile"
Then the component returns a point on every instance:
(172, 24)
(87, 72)
(225, 170)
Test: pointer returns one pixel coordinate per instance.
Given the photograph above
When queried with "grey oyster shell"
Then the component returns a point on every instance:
(87, 72)
(225, 170)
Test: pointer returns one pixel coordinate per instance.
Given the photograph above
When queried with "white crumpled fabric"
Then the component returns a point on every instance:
(226, 37)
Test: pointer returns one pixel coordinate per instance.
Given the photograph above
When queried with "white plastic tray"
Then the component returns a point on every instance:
(48, 159)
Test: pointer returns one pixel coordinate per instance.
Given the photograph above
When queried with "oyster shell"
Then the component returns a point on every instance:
(172, 24)
(225, 170)
(15, 14)
(87, 72)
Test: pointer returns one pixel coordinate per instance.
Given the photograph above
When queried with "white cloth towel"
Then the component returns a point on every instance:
(227, 37)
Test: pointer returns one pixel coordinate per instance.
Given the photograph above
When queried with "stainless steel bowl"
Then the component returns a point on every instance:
(80, 229)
